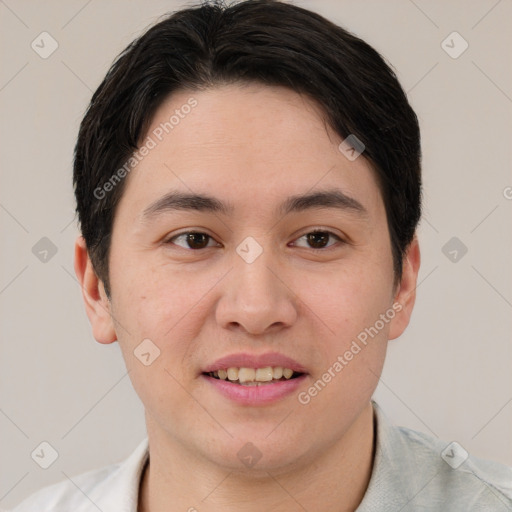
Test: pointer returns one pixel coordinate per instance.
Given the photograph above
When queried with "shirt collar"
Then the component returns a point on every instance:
(119, 492)
(388, 467)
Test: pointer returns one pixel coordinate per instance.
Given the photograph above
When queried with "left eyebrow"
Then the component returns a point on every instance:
(321, 199)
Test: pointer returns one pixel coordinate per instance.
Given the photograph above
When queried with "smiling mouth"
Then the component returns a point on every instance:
(254, 376)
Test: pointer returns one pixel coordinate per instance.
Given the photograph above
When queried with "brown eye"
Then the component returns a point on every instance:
(193, 240)
(319, 239)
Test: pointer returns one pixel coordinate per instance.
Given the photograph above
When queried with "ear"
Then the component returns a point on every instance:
(97, 305)
(405, 295)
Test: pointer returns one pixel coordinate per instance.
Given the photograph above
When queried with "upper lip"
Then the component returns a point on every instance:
(247, 360)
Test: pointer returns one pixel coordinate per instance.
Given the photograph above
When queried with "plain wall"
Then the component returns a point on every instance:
(449, 375)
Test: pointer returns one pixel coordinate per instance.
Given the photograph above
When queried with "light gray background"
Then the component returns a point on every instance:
(449, 375)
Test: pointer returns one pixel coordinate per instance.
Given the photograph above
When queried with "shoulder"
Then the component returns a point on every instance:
(110, 488)
(457, 476)
(416, 471)
(70, 494)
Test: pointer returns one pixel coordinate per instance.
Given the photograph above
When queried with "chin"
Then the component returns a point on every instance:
(257, 455)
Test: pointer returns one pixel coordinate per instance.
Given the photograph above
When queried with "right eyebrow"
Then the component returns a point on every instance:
(175, 200)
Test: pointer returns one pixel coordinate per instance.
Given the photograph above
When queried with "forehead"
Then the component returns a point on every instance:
(247, 144)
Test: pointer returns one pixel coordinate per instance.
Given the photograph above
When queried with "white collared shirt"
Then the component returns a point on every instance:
(411, 472)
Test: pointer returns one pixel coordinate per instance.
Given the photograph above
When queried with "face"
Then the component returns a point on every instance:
(253, 275)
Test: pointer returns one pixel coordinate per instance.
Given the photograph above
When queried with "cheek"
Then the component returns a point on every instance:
(148, 296)
(163, 305)
(353, 352)
(348, 300)
(151, 306)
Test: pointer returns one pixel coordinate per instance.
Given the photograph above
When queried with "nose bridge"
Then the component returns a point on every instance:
(256, 298)
(256, 279)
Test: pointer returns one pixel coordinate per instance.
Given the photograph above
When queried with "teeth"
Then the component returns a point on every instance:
(251, 376)
(246, 375)
(264, 374)
(287, 373)
(233, 373)
(277, 372)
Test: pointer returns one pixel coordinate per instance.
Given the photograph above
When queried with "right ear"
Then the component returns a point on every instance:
(97, 305)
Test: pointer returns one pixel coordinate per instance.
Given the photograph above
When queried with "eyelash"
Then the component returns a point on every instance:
(323, 249)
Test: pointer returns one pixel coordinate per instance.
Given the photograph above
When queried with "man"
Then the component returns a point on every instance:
(248, 188)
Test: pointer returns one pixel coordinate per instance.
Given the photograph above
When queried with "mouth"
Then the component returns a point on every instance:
(255, 379)
(244, 376)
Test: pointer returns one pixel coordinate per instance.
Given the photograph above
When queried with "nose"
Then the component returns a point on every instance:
(255, 298)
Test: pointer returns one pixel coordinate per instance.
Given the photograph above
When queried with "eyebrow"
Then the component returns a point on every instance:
(321, 199)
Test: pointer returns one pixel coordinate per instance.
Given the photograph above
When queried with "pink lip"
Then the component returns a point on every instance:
(255, 395)
(255, 361)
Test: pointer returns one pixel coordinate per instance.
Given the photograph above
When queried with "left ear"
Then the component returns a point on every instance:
(405, 296)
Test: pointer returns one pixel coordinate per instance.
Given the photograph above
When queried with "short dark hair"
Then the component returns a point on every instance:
(262, 41)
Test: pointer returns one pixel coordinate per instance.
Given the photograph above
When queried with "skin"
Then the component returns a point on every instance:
(252, 146)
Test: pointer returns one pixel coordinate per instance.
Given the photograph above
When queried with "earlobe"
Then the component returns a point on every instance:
(97, 305)
(405, 296)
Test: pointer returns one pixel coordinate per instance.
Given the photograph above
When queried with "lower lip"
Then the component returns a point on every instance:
(256, 395)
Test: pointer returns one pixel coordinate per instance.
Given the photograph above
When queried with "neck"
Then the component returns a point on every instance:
(175, 481)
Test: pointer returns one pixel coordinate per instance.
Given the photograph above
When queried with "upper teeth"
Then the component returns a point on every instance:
(254, 374)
